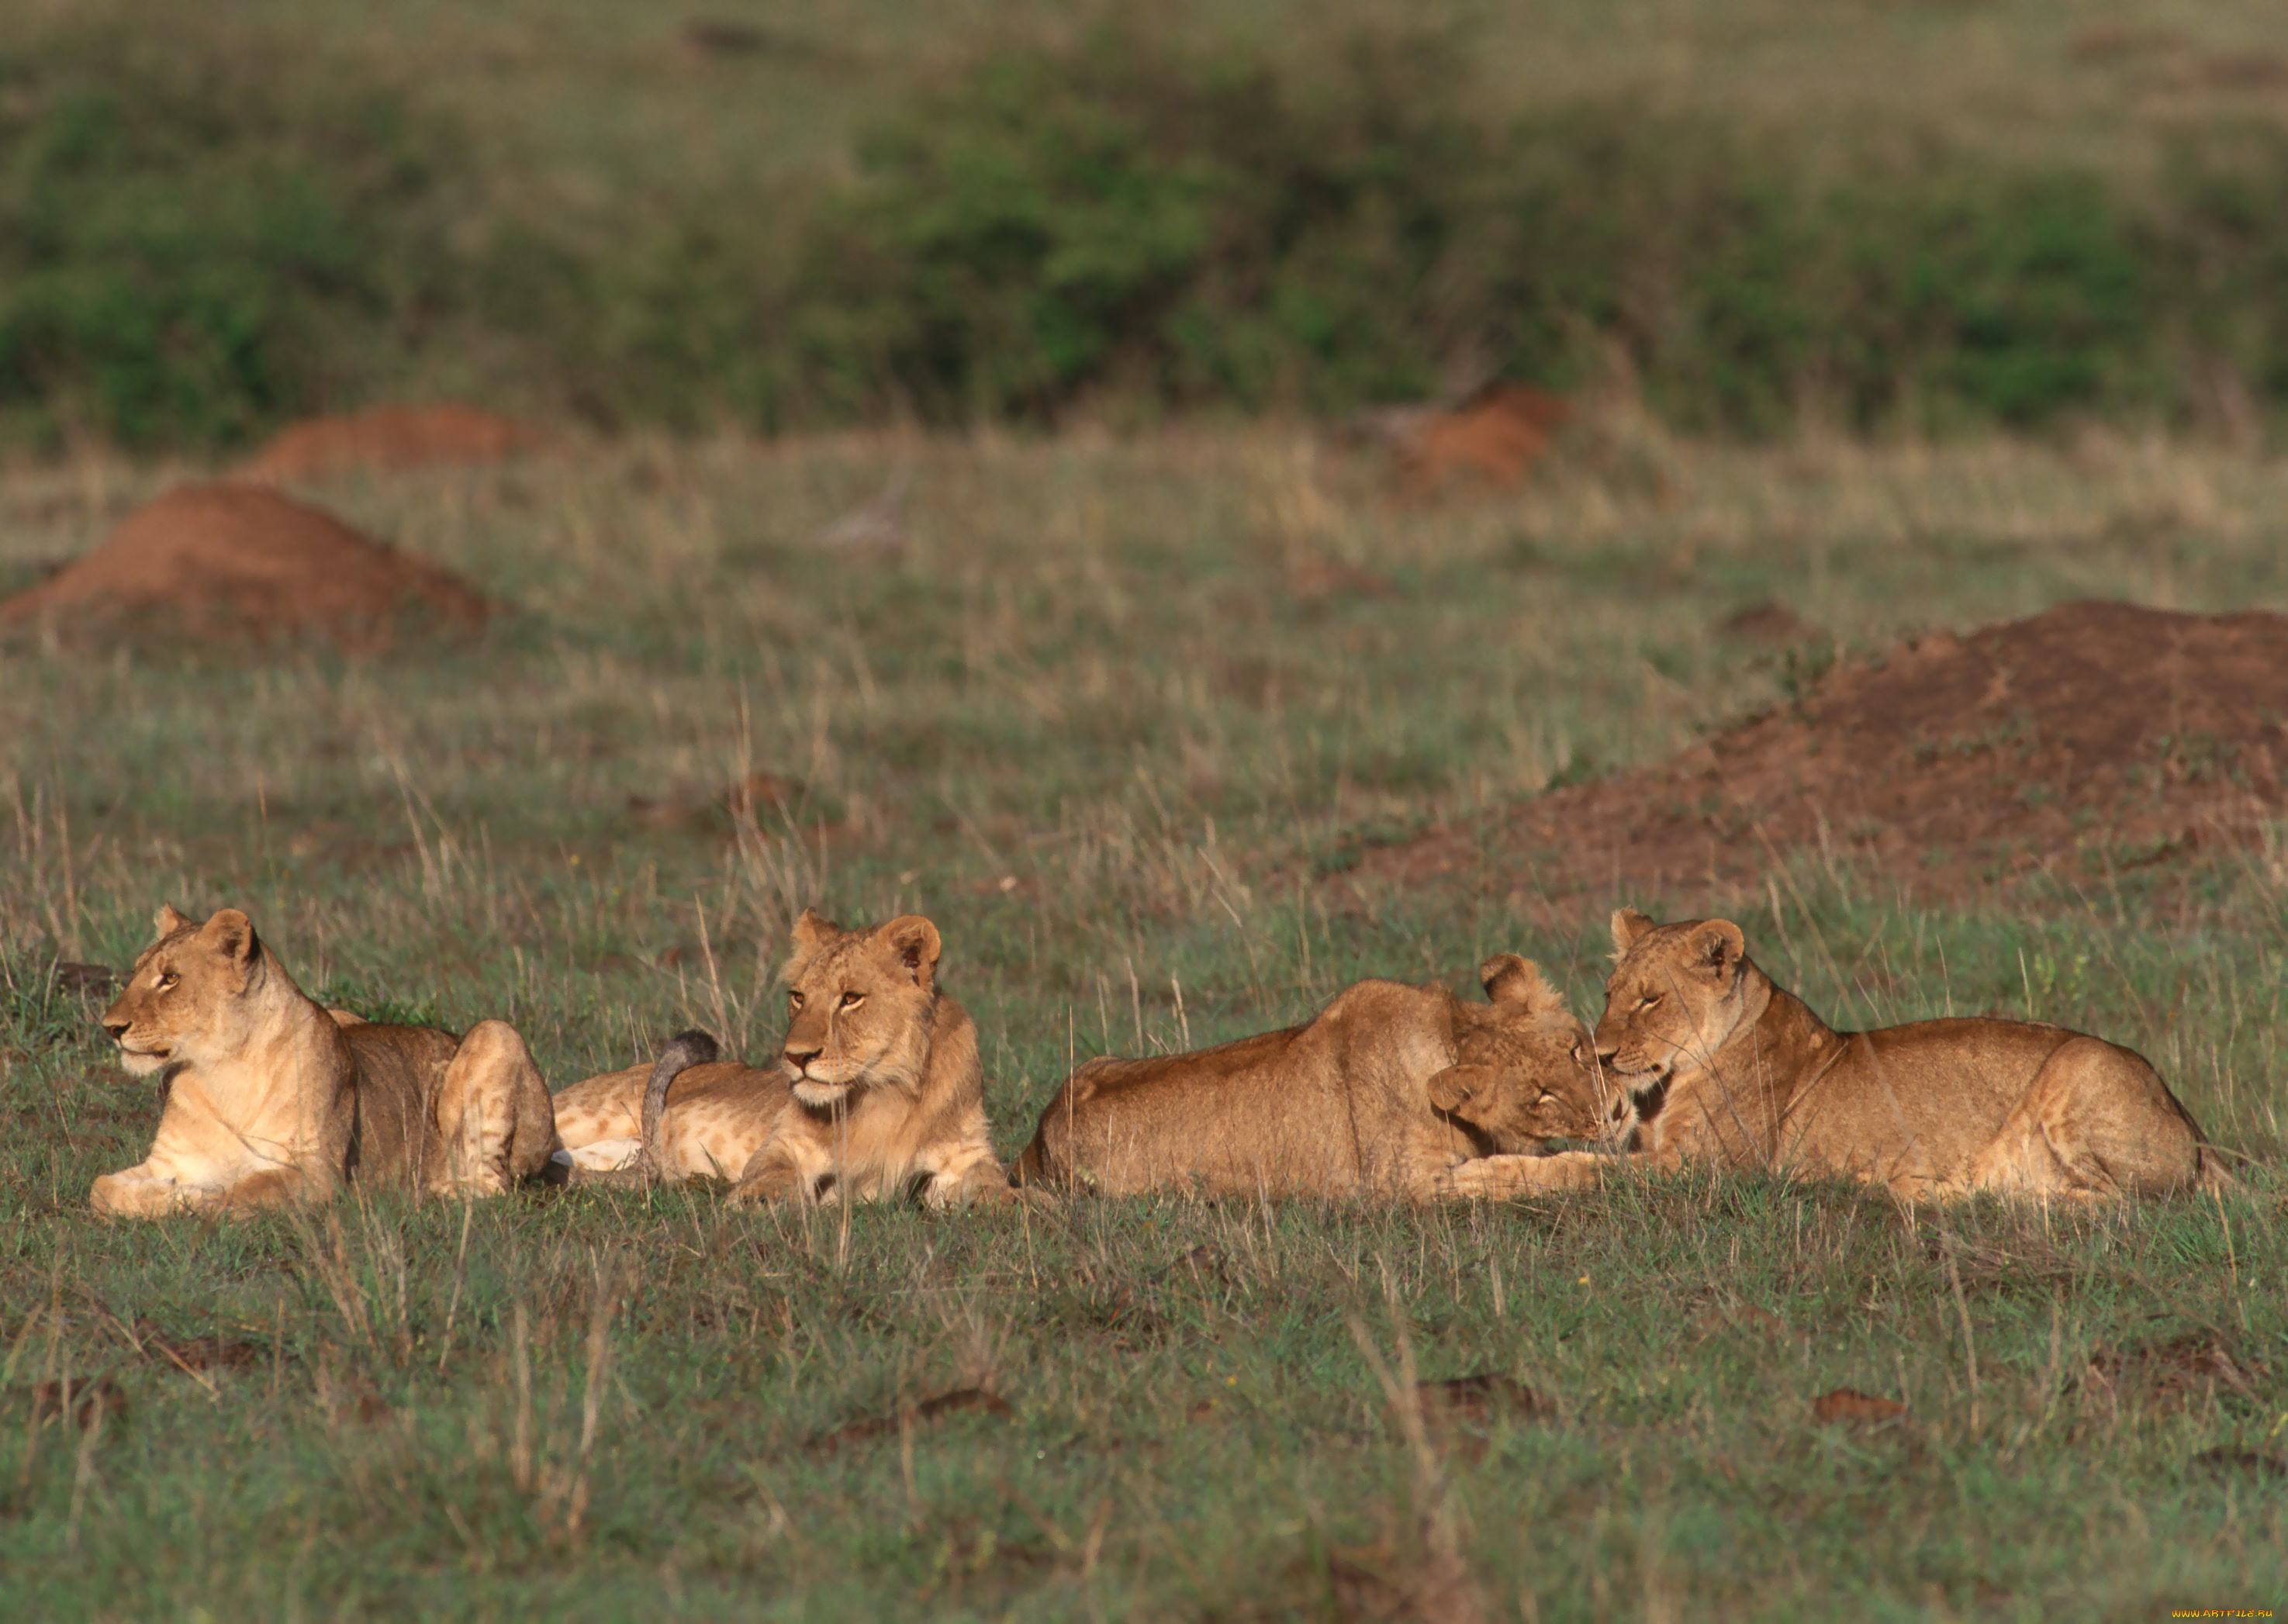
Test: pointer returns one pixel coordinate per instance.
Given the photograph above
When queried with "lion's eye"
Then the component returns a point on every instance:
(167, 981)
(853, 1000)
(794, 1001)
(1648, 1000)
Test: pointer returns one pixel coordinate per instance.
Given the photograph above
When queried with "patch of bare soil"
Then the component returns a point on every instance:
(2169, 1376)
(388, 438)
(1475, 1401)
(1846, 1404)
(760, 797)
(924, 1413)
(194, 1354)
(2087, 741)
(235, 560)
(1495, 434)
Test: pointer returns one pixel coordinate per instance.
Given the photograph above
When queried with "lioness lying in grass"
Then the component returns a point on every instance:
(1390, 1090)
(878, 1092)
(1722, 1066)
(270, 1097)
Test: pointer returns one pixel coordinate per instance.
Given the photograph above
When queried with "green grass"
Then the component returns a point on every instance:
(1088, 725)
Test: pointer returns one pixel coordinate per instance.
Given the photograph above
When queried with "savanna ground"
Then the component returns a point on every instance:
(1118, 716)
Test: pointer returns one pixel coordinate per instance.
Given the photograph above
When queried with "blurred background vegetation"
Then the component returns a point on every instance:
(1879, 217)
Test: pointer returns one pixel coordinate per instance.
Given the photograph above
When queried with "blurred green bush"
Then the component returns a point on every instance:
(199, 237)
(196, 238)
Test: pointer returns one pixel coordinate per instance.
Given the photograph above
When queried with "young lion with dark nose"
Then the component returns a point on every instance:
(886, 1089)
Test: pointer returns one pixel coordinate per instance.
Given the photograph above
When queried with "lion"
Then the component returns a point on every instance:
(268, 1097)
(886, 1089)
(1390, 1090)
(1721, 1065)
(688, 1114)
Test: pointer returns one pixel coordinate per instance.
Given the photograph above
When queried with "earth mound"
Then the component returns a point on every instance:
(1496, 434)
(2089, 739)
(239, 560)
(387, 437)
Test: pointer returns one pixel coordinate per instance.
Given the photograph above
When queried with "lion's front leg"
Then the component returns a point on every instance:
(983, 1182)
(495, 1124)
(780, 1172)
(136, 1192)
(962, 1171)
(272, 1187)
(1493, 1177)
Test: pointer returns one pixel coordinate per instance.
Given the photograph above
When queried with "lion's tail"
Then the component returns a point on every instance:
(683, 1050)
(2211, 1176)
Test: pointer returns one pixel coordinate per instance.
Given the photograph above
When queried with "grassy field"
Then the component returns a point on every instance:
(1109, 716)
(599, 95)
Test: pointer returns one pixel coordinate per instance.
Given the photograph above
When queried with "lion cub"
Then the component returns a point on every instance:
(886, 1089)
(1723, 1066)
(269, 1097)
(1390, 1090)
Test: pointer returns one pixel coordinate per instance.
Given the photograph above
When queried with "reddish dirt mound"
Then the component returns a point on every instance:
(390, 437)
(1496, 434)
(234, 560)
(2095, 738)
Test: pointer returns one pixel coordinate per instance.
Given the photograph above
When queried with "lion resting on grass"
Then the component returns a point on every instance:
(880, 1090)
(1724, 1066)
(687, 1115)
(269, 1097)
(1390, 1090)
(885, 1089)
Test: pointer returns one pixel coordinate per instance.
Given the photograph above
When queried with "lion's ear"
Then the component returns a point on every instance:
(1458, 1088)
(1629, 928)
(230, 933)
(911, 943)
(1509, 979)
(166, 922)
(1718, 946)
(815, 930)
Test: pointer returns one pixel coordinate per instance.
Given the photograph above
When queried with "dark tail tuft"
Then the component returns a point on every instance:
(683, 1050)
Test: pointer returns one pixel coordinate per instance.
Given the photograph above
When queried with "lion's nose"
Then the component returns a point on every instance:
(800, 1059)
(1605, 1056)
(117, 1028)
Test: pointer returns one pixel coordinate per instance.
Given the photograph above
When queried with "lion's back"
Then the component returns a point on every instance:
(399, 1069)
(1306, 1109)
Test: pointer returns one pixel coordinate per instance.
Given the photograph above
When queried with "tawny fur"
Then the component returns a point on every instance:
(1390, 1090)
(886, 1091)
(1722, 1066)
(715, 1116)
(270, 1097)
